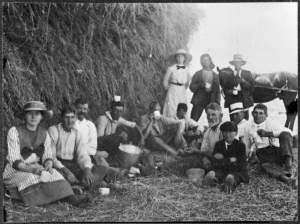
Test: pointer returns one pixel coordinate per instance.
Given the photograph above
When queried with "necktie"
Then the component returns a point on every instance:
(26, 152)
(179, 67)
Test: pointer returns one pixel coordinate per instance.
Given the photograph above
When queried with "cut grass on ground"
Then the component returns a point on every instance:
(171, 197)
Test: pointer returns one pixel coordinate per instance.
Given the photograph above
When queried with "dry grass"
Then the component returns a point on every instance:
(172, 197)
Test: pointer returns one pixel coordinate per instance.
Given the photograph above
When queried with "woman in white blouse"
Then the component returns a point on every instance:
(29, 174)
(176, 81)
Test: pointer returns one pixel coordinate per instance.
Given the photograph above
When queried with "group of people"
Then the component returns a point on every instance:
(78, 154)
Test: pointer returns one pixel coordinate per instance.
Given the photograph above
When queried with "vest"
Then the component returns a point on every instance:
(24, 137)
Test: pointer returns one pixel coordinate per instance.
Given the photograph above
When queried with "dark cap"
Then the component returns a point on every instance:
(229, 126)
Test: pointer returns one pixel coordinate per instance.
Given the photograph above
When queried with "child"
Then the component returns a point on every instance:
(228, 160)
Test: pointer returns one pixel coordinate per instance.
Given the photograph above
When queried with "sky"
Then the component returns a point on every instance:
(264, 33)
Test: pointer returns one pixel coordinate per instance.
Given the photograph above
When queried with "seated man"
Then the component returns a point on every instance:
(190, 132)
(237, 115)
(213, 133)
(160, 131)
(106, 128)
(228, 160)
(273, 145)
(70, 154)
(88, 131)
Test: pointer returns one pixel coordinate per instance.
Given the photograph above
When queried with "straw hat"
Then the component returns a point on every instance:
(237, 58)
(236, 107)
(188, 56)
(34, 106)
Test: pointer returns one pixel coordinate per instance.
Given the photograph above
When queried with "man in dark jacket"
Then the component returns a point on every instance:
(228, 159)
(205, 86)
(243, 85)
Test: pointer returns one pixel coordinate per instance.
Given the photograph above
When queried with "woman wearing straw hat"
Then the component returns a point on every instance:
(176, 81)
(243, 85)
(205, 86)
(29, 145)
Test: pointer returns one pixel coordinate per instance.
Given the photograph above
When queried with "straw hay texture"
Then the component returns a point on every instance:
(58, 52)
(170, 196)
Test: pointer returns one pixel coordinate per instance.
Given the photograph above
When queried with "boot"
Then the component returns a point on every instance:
(80, 203)
(288, 165)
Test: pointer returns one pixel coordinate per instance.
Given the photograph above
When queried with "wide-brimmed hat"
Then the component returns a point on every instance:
(188, 56)
(34, 106)
(236, 107)
(237, 58)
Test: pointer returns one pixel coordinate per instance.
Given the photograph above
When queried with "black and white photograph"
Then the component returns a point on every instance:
(149, 112)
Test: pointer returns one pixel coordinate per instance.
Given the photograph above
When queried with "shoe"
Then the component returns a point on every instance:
(209, 178)
(293, 183)
(229, 184)
(76, 202)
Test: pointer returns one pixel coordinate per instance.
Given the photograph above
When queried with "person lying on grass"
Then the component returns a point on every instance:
(273, 144)
(107, 126)
(70, 155)
(161, 132)
(30, 158)
(229, 163)
(190, 132)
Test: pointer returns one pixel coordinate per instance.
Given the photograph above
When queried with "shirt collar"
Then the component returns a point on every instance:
(242, 121)
(259, 126)
(226, 145)
(240, 72)
(79, 121)
(61, 128)
(108, 114)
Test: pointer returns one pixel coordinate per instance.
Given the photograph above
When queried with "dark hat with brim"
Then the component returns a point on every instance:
(229, 126)
(34, 106)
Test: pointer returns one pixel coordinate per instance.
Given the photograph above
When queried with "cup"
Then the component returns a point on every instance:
(104, 190)
(117, 98)
(234, 92)
(45, 176)
(207, 85)
(156, 114)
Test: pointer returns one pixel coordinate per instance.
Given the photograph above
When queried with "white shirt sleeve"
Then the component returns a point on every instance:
(13, 144)
(92, 142)
(83, 158)
(53, 133)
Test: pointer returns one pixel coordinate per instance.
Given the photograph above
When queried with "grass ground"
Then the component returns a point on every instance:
(169, 196)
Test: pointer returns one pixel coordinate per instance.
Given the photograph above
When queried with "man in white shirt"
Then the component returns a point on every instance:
(237, 115)
(88, 131)
(273, 144)
(70, 154)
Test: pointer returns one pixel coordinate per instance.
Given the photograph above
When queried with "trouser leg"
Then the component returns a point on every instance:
(286, 150)
(196, 112)
(110, 143)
